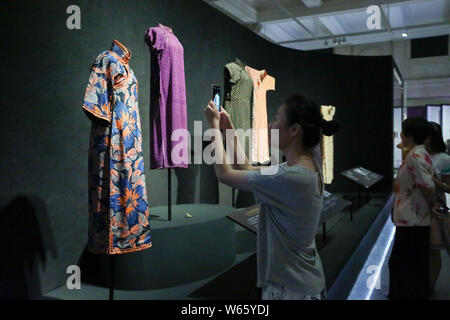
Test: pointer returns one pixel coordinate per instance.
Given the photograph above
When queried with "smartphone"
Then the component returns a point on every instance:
(442, 206)
(216, 95)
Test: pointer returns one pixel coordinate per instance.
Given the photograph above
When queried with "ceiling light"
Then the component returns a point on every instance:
(404, 35)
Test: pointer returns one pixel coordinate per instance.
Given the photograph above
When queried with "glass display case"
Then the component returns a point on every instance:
(446, 124)
(399, 111)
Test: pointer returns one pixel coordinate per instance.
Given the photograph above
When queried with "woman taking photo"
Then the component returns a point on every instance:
(414, 198)
(288, 264)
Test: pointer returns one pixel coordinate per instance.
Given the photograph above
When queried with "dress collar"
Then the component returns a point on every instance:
(239, 63)
(165, 28)
(263, 75)
(121, 51)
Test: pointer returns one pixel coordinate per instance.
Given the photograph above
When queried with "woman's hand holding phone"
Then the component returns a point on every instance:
(214, 111)
(225, 120)
(212, 115)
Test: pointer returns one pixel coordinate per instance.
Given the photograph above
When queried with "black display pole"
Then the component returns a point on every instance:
(112, 262)
(359, 196)
(232, 197)
(169, 184)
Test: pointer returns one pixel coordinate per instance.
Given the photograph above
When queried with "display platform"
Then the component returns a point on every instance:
(237, 281)
(184, 250)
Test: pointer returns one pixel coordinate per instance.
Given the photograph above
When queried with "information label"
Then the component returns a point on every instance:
(332, 204)
(362, 176)
(248, 217)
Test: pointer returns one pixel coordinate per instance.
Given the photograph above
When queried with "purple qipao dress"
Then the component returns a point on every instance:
(167, 99)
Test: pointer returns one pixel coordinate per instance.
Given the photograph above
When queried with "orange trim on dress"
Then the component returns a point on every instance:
(119, 251)
(124, 81)
(85, 107)
(127, 52)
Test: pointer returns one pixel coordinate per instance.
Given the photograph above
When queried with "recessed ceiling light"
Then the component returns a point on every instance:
(404, 35)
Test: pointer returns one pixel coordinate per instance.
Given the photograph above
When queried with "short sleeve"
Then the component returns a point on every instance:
(232, 75)
(445, 166)
(97, 95)
(271, 84)
(421, 171)
(275, 189)
(155, 39)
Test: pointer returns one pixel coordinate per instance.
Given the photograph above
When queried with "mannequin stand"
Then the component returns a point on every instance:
(169, 193)
(233, 204)
(112, 266)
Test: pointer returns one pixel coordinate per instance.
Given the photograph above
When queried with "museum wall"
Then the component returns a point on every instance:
(45, 133)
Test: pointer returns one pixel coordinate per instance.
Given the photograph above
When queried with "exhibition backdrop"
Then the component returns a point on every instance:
(45, 133)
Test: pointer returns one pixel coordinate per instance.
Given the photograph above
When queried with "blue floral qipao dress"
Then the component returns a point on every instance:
(119, 219)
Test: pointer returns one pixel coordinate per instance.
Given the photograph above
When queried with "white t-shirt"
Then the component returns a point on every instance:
(290, 208)
(441, 163)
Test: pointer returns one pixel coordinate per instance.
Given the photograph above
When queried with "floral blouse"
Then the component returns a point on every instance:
(416, 172)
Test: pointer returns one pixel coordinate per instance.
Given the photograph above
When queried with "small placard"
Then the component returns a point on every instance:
(247, 218)
(362, 176)
(332, 204)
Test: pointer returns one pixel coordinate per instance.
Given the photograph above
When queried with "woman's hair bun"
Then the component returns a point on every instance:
(329, 127)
